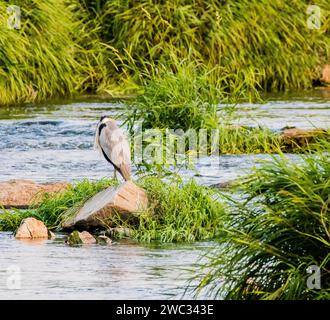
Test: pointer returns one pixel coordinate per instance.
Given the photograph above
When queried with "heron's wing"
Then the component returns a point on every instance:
(114, 144)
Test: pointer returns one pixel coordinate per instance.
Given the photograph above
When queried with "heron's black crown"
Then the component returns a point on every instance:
(103, 117)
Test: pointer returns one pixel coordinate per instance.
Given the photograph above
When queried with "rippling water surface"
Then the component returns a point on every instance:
(54, 142)
(49, 269)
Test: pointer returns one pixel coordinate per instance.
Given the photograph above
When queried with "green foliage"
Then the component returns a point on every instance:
(37, 61)
(118, 47)
(184, 100)
(56, 52)
(178, 212)
(11, 219)
(281, 230)
(164, 150)
(255, 44)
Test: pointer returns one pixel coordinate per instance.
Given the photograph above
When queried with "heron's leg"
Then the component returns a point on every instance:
(115, 174)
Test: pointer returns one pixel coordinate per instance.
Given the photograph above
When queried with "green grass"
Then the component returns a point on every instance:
(56, 53)
(182, 100)
(179, 212)
(254, 44)
(116, 47)
(37, 61)
(279, 230)
(52, 207)
(254, 140)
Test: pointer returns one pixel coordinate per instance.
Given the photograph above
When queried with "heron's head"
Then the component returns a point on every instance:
(104, 119)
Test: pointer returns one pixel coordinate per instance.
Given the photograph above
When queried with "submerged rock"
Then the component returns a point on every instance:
(103, 240)
(31, 228)
(120, 232)
(126, 200)
(77, 237)
(223, 185)
(23, 193)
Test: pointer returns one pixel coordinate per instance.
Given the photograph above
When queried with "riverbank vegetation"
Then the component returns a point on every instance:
(116, 47)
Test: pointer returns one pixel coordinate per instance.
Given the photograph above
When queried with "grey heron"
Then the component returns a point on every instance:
(111, 141)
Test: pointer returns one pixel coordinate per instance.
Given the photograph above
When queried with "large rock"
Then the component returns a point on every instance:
(126, 200)
(31, 228)
(23, 193)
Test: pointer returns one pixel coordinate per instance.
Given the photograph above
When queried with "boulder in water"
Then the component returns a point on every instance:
(77, 237)
(31, 228)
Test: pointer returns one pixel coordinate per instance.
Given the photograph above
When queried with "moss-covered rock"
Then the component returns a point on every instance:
(76, 238)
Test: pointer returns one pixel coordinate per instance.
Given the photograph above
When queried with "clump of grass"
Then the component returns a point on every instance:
(55, 53)
(281, 230)
(11, 219)
(248, 140)
(253, 140)
(52, 206)
(185, 99)
(178, 212)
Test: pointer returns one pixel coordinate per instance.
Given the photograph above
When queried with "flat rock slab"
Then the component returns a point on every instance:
(23, 193)
(302, 136)
(126, 200)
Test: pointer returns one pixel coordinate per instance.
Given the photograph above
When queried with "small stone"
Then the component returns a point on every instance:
(77, 237)
(103, 240)
(31, 228)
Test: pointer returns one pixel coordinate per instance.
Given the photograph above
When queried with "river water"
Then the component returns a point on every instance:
(54, 142)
